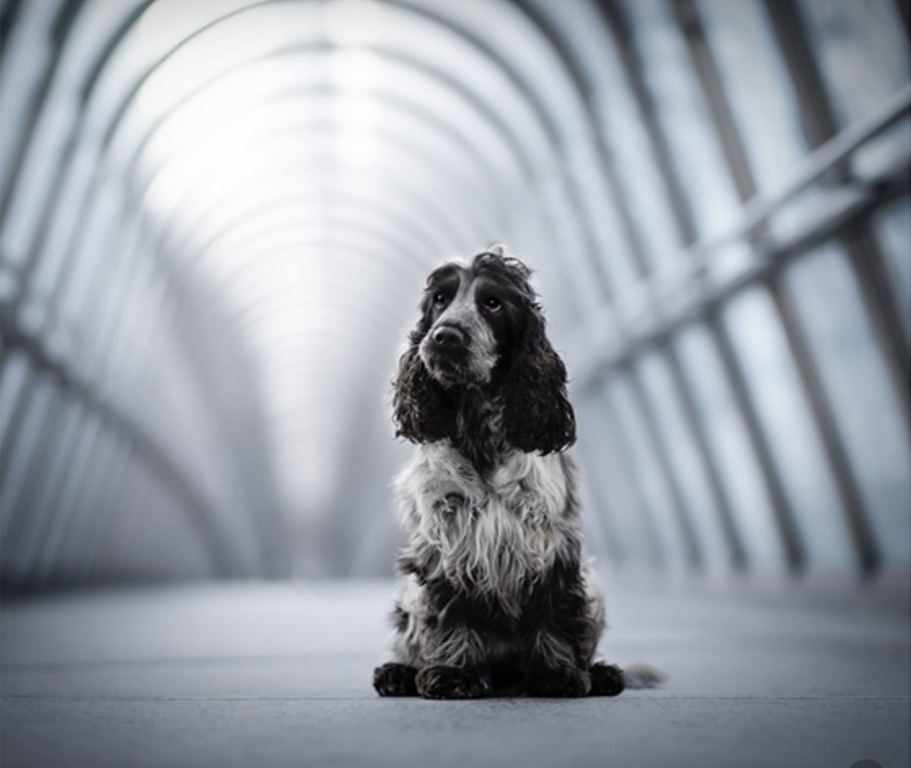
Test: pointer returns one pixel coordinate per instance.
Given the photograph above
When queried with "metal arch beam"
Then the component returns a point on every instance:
(393, 141)
(441, 207)
(193, 358)
(117, 423)
(124, 104)
(112, 45)
(292, 237)
(665, 287)
(8, 17)
(181, 242)
(543, 14)
(64, 20)
(176, 291)
(418, 220)
(400, 108)
(380, 312)
(496, 123)
(141, 452)
(107, 49)
(73, 134)
(102, 468)
(490, 116)
(318, 126)
(302, 213)
(523, 82)
(404, 219)
(484, 51)
(119, 112)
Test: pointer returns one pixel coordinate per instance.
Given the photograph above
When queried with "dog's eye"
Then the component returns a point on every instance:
(493, 304)
(439, 299)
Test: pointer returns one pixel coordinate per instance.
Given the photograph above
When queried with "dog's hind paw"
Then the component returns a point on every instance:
(395, 680)
(440, 682)
(607, 680)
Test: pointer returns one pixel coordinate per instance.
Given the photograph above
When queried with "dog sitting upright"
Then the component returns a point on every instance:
(496, 599)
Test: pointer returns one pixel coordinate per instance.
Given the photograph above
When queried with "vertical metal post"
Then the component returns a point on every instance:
(736, 550)
(622, 38)
(658, 555)
(856, 518)
(65, 18)
(841, 471)
(793, 545)
(691, 545)
(867, 264)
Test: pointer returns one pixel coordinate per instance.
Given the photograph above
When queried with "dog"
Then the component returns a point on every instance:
(496, 598)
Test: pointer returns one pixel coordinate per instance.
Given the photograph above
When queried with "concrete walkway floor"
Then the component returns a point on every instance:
(260, 675)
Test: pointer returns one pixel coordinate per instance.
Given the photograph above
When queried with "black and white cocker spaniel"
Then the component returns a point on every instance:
(496, 597)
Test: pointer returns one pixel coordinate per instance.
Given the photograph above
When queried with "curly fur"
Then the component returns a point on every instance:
(496, 598)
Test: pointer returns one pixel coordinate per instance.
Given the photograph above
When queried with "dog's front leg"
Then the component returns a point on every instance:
(454, 668)
(552, 669)
(564, 622)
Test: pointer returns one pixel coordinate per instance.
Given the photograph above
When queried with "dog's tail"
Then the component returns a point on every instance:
(637, 676)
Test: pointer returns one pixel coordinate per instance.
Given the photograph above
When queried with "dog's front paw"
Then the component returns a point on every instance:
(559, 682)
(607, 680)
(441, 682)
(395, 680)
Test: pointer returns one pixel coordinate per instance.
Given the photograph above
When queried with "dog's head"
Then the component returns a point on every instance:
(482, 330)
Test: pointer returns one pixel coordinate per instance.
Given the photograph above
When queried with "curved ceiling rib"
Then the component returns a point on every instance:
(284, 174)
(422, 192)
(499, 97)
(216, 218)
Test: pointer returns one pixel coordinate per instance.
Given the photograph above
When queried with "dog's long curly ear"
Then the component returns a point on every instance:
(537, 414)
(421, 408)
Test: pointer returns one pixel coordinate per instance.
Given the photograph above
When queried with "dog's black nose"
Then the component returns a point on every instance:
(448, 336)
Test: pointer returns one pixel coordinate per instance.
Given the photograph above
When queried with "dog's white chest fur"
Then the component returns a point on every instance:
(493, 534)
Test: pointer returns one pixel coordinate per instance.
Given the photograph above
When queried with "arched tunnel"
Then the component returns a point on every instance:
(216, 222)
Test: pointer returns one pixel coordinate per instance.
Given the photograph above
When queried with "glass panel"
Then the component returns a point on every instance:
(27, 52)
(15, 372)
(54, 464)
(103, 508)
(784, 411)
(91, 261)
(646, 469)
(599, 513)
(81, 509)
(611, 468)
(631, 154)
(757, 86)
(893, 228)
(863, 53)
(39, 407)
(685, 460)
(683, 115)
(60, 524)
(731, 448)
(856, 380)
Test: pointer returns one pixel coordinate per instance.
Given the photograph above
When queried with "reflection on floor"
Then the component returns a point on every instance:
(279, 675)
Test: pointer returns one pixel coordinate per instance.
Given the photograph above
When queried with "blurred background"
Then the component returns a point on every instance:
(217, 217)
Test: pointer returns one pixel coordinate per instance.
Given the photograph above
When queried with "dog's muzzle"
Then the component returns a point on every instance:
(449, 339)
(446, 352)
